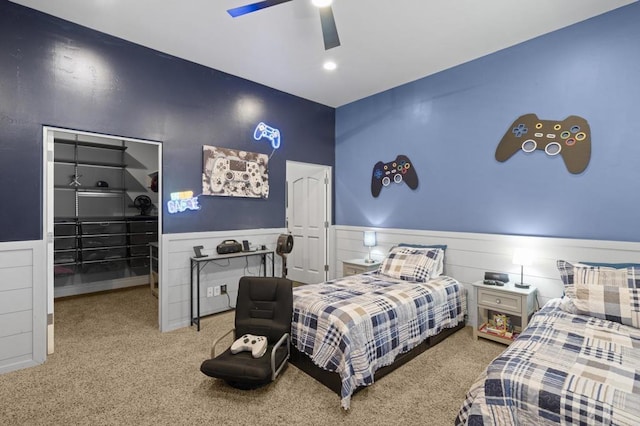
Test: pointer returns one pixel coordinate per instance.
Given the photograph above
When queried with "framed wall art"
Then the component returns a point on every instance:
(233, 173)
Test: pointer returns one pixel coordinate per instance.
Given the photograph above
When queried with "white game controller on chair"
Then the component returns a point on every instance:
(256, 344)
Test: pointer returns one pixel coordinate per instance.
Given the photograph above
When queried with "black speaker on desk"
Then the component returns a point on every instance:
(228, 247)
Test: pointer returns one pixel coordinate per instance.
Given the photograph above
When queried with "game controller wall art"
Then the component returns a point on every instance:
(394, 172)
(233, 173)
(571, 138)
(264, 131)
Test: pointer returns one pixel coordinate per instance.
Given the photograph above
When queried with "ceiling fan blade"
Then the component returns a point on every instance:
(243, 10)
(329, 30)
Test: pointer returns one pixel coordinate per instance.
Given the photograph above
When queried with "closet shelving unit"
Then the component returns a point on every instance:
(96, 246)
(80, 162)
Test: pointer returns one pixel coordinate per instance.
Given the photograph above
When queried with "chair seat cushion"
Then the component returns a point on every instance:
(242, 367)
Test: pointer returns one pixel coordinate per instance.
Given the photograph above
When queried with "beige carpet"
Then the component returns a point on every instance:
(113, 366)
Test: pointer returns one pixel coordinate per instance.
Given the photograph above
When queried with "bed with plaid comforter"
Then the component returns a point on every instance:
(563, 369)
(357, 324)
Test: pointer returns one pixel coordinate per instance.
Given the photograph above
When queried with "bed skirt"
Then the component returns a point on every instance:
(332, 379)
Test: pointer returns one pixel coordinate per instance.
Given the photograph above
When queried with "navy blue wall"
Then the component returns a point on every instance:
(449, 125)
(56, 73)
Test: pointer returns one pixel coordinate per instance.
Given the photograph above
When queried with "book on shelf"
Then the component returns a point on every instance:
(499, 332)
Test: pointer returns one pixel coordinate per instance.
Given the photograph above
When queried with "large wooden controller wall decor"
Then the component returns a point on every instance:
(571, 138)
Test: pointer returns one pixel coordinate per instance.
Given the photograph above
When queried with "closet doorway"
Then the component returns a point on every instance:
(102, 218)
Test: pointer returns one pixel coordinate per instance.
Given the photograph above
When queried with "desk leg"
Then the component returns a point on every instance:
(273, 265)
(264, 264)
(191, 294)
(198, 297)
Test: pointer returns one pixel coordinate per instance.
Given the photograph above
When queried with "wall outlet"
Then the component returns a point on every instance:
(209, 291)
(216, 290)
(223, 288)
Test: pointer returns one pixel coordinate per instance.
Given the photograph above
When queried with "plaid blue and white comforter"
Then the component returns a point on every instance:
(357, 324)
(563, 369)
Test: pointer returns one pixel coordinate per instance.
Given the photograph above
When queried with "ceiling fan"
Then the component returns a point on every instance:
(328, 23)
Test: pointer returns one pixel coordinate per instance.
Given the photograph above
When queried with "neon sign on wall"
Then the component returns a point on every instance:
(182, 201)
(265, 131)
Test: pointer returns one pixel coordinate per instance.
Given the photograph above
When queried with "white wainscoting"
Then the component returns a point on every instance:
(23, 307)
(469, 255)
(174, 268)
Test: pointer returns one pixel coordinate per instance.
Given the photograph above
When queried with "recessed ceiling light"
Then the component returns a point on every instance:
(330, 66)
(321, 3)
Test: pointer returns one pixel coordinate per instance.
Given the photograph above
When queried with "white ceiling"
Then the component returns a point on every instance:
(384, 43)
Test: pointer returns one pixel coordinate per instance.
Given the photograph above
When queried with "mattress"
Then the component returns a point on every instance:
(562, 369)
(357, 324)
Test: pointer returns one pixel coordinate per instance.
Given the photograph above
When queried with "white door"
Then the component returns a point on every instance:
(308, 213)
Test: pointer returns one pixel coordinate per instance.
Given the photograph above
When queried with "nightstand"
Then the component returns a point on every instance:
(518, 304)
(358, 266)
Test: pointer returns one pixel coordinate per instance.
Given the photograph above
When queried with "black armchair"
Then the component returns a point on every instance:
(264, 308)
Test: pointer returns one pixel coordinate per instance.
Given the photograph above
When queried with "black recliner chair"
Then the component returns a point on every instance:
(264, 307)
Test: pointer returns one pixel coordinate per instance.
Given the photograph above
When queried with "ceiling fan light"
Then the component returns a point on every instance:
(321, 3)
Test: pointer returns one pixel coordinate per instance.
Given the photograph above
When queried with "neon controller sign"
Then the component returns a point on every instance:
(264, 131)
(182, 201)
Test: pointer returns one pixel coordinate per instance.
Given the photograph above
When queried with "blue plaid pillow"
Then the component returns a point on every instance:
(566, 271)
(439, 269)
(602, 291)
(411, 264)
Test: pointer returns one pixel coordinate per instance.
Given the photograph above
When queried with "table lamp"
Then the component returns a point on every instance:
(523, 258)
(369, 241)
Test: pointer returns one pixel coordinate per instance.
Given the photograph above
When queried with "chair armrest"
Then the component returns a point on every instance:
(285, 337)
(215, 342)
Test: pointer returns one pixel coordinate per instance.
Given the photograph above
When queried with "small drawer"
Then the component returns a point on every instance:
(499, 300)
(104, 254)
(140, 262)
(104, 241)
(137, 251)
(63, 229)
(351, 270)
(145, 238)
(97, 228)
(139, 266)
(64, 270)
(67, 256)
(143, 226)
(64, 243)
(64, 275)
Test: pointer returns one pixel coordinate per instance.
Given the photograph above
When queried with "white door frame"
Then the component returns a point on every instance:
(328, 242)
(47, 225)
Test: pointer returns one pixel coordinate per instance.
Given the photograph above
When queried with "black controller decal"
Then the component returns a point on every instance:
(397, 171)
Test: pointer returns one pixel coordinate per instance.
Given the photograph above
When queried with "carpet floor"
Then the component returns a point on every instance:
(112, 366)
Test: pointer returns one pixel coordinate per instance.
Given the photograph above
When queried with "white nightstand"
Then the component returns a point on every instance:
(358, 266)
(517, 303)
